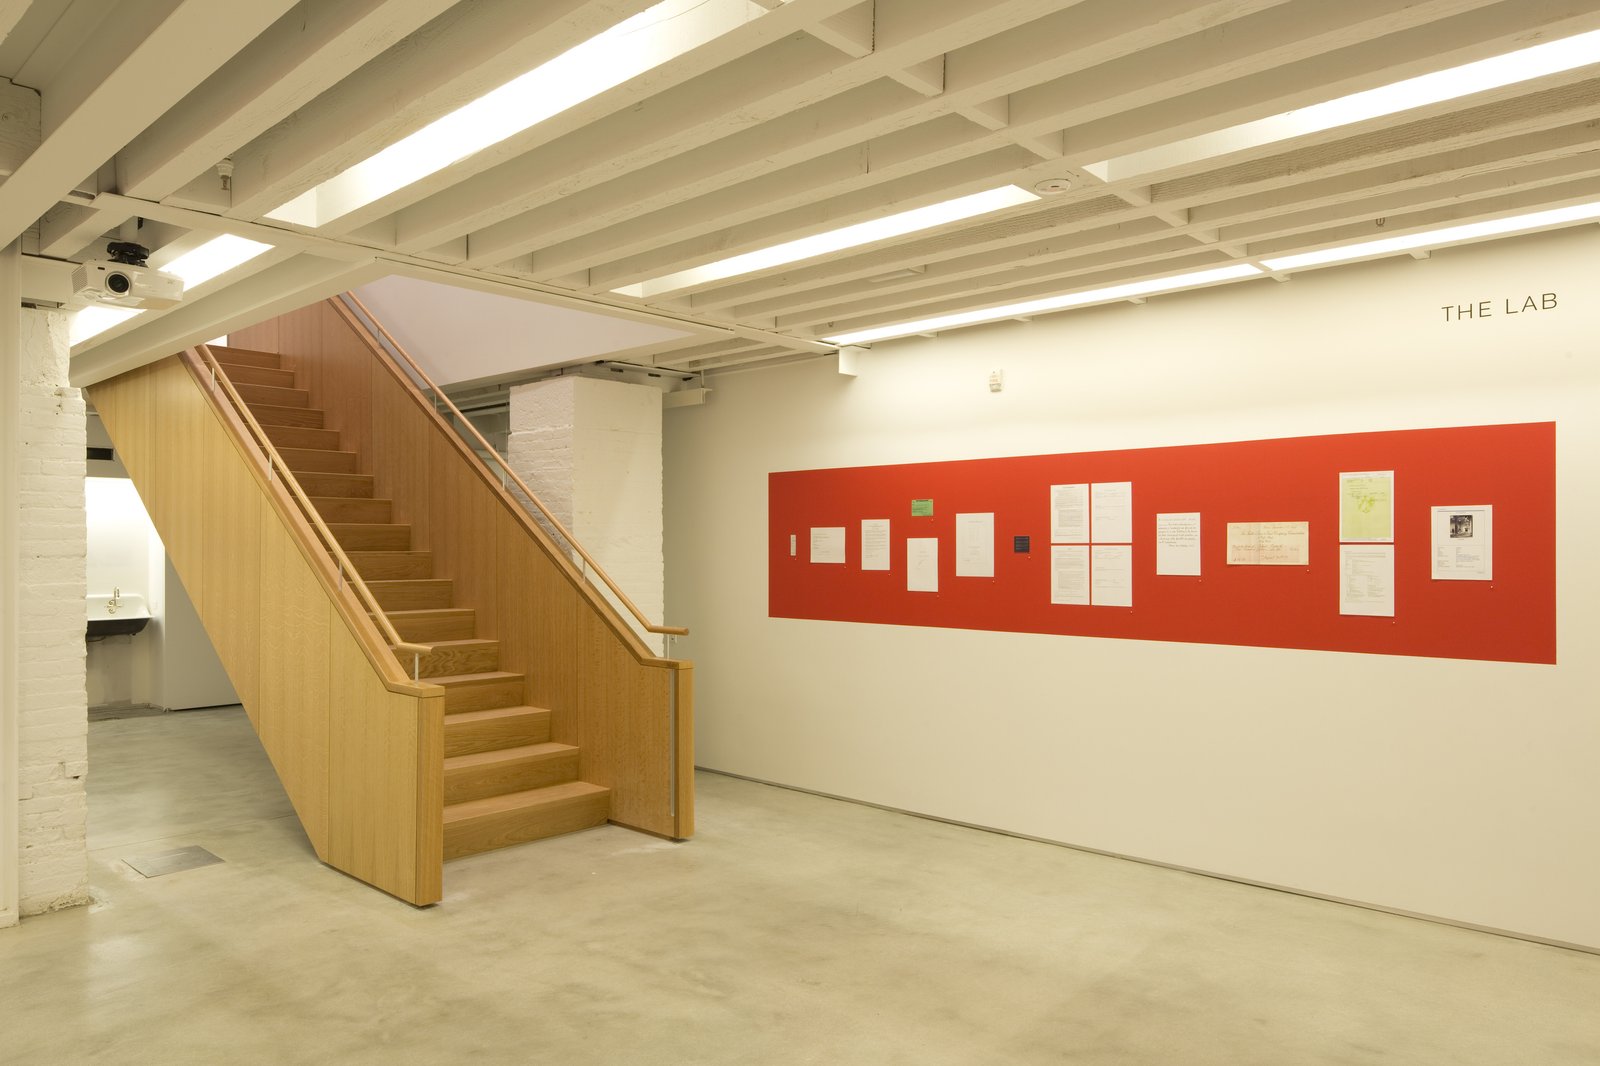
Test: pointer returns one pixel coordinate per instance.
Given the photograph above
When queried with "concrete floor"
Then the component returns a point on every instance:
(792, 930)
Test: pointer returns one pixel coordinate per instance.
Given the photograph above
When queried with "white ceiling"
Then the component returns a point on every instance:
(797, 118)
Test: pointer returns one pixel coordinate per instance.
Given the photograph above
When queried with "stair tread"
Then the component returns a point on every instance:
(470, 679)
(347, 499)
(511, 801)
(417, 612)
(546, 749)
(491, 714)
(463, 642)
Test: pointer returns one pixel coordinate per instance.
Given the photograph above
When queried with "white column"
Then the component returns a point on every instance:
(10, 376)
(52, 712)
(591, 449)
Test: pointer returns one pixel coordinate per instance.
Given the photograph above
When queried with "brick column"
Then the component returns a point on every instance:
(591, 449)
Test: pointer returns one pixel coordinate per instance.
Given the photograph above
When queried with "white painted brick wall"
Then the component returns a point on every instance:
(51, 541)
(591, 449)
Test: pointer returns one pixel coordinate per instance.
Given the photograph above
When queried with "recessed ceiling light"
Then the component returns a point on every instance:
(1049, 303)
(630, 48)
(1560, 216)
(877, 229)
(1497, 72)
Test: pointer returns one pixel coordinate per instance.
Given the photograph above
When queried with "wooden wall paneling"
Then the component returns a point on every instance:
(683, 680)
(177, 443)
(261, 337)
(463, 538)
(625, 728)
(429, 805)
(538, 613)
(230, 523)
(401, 453)
(293, 722)
(377, 782)
(299, 341)
(344, 387)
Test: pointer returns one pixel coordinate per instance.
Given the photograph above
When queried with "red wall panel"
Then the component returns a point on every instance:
(1511, 618)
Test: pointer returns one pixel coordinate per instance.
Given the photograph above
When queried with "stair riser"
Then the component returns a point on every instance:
(353, 486)
(467, 738)
(446, 625)
(303, 437)
(373, 538)
(478, 659)
(482, 697)
(303, 417)
(266, 394)
(481, 782)
(255, 375)
(318, 461)
(393, 566)
(412, 596)
(242, 357)
(518, 827)
(340, 509)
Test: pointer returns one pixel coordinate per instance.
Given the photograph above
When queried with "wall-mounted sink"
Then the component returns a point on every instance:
(117, 614)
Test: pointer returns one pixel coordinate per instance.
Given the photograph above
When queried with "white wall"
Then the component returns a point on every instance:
(1464, 790)
(122, 545)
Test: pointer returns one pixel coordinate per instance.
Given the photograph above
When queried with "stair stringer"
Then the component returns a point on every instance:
(357, 745)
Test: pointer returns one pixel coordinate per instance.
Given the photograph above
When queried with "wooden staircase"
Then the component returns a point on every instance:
(505, 782)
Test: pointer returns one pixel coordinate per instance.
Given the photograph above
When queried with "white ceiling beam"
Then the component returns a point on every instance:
(19, 126)
(298, 58)
(11, 12)
(739, 40)
(714, 110)
(850, 31)
(147, 57)
(470, 50)
(67, 229)
(926, 77)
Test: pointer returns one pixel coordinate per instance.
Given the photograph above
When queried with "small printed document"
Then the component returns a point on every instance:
(1111, 512)
(827, 544)
(1111, 575)
(1069, 573)
(922, 564)
(1366, 506)
(975, 545)
(1269, 543)
(1463, 543)
(874, 544)
(1366, 579)
(1069, 514)
(1178, 544)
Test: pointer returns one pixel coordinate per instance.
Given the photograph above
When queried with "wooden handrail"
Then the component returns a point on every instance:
(346, 567)
(395, 347)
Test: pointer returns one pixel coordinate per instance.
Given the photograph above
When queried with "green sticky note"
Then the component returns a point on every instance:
(921, 508)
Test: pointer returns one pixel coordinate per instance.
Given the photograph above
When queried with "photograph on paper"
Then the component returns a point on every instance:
(1463, 543)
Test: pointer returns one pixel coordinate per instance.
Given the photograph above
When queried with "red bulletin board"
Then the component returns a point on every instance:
(1509, 619)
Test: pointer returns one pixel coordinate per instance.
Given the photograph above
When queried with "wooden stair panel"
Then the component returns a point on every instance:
(425, 627)
(230, 357)
(392, 566)
(371, 537)
(272, 415)
(354, 486)
(469, 656)
(322, 440)
(480, 692)
(498, 727)
(258, 375)
(319, 460)
(347, 510)
(483, 774)
(409, 595)
(269, 396)
(500, 821)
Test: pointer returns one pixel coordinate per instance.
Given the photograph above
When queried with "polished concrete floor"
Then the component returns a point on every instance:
(794, 929)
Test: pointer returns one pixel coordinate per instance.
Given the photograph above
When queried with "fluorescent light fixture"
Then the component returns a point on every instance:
(1049, 303)
(1494, 73)
(630, 48)
(1559, 216)
(214, 258)
(877, 229)
(92, 321)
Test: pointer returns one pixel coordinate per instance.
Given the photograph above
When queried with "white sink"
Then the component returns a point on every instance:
(123, 612)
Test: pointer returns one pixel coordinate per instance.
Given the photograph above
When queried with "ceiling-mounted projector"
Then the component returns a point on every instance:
(126, 286)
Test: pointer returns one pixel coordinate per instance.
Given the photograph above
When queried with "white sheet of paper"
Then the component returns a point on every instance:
(975, 545)
(827, 544)
(1269, 543)
(1178, 544)
(1111, 512)
(1069, 514)
(1366, 579)
(1111, 575)
(1069, 573)
(922, 564)
(1463, 543)
(874, 544)
(792, 548)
